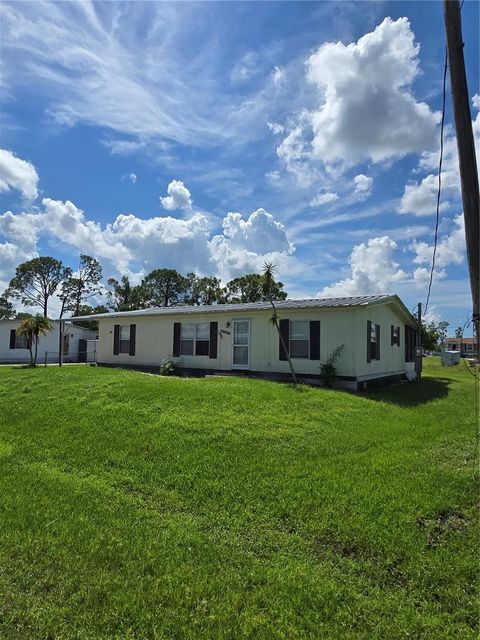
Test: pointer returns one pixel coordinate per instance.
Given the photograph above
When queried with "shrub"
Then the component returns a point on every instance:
(328, 371)
(168, 368)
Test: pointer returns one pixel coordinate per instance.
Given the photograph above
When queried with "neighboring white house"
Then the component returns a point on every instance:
(466, 346)
(14, 348)
(378, 333)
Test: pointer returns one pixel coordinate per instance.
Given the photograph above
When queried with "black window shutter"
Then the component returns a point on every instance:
(392, 335)
(398, 336)
(13, 334)
(116, 340)
(176, 338)
(133, 333)
(369, 337)
(314, 339)
(213, 339)
(377, 342)
(285, 334)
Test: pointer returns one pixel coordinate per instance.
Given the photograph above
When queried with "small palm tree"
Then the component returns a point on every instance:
(268, 285)
(33, 328)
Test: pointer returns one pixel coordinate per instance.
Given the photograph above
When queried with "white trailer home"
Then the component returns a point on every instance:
(14, 348)
(378, 334)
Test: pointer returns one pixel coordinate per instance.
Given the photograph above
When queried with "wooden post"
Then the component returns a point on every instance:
(466, 149)
(46, 354)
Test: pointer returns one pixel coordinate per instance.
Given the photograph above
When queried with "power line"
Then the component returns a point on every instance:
(439, 190)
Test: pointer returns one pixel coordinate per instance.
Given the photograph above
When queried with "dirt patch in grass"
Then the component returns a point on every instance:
(441, 524)
(327, 542)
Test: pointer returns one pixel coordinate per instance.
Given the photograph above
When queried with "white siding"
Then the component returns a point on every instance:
(392, 357)
(154, 340)
(49, 343)
(346, 325)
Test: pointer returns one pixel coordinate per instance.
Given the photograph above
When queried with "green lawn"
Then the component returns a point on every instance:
(135, 506)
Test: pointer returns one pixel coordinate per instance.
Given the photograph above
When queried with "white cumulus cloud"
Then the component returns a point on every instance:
(136, 245)
(259, 233)
(19, 174)
(420, 197)
(246, 245)
(450, 247)
(373, 270)
(67, 222)
(421, 276)
(164, 241)
(178, 197)
(19, 235)
(363, 186)
(367, 110)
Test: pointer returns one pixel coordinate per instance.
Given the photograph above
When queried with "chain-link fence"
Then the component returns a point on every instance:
(88, 356)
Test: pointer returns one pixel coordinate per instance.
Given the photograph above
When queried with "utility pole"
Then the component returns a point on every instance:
(466, 149)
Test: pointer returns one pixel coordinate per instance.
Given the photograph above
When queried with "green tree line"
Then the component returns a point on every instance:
(36, 281)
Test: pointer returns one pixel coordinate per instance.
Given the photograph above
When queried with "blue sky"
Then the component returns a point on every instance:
(214, 136)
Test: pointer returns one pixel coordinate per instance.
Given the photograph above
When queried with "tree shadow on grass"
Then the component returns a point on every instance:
(412, 394)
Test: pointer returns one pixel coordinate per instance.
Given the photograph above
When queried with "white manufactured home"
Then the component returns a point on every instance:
(378, 334)
(14, 348)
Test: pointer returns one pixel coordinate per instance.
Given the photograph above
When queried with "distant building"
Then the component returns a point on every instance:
(467, 346)
(14, 348)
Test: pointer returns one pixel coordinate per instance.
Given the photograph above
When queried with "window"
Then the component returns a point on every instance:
(299, 339)
(202, 339)
(395, 331)
(124, 338)
(373, 336)
(195, 339)
(21, 342)
(187, 339)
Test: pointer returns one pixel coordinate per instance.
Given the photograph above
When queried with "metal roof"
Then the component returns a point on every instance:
(311, 303)
(55, 320)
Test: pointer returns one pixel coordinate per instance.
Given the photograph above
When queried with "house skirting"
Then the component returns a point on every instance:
(350, 383)
(380, 381)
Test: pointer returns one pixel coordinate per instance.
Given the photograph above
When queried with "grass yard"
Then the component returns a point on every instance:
(134, 506)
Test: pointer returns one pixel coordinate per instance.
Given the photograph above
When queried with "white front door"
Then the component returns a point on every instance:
(241, 344)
